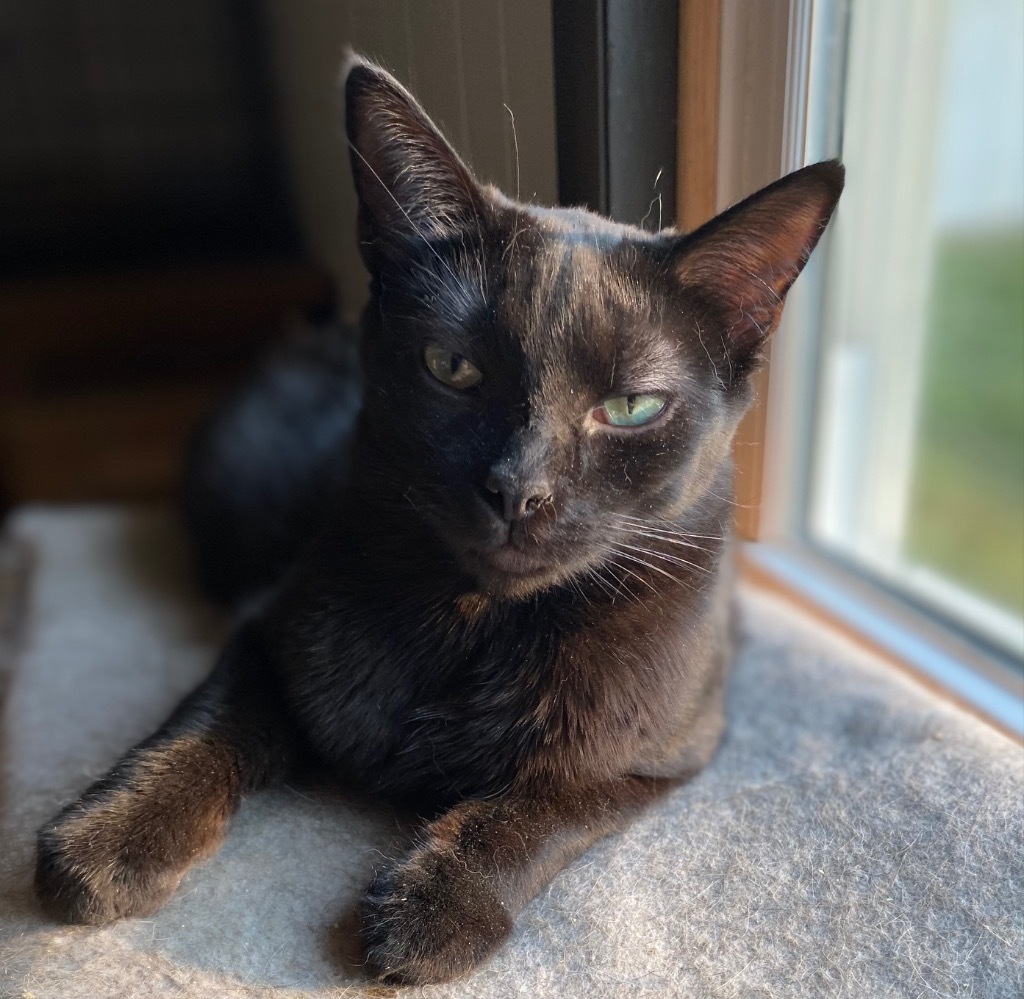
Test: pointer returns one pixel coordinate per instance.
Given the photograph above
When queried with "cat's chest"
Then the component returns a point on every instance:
(403, 693)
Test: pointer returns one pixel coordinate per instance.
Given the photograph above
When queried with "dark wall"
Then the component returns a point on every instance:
(136, 133)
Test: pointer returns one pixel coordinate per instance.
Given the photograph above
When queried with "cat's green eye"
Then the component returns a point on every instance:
(451, 368)
(630, 410)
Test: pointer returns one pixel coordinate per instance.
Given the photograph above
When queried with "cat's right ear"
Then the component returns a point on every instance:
(747, 258)
(411, 184)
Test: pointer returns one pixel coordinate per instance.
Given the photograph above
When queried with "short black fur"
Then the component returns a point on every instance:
(487, 602)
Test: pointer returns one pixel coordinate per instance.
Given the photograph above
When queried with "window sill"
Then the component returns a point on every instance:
(942, 660)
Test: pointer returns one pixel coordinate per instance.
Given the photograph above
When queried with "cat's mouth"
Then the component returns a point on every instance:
(507, 571)
(511, 560)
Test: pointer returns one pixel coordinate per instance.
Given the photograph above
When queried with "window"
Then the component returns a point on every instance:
(895, 461)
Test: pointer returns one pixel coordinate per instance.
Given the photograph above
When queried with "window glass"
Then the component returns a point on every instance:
(917, 471)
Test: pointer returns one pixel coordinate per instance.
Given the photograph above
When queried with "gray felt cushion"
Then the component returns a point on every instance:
(855, 836)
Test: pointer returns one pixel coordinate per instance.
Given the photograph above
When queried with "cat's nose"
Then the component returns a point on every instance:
(516, 500)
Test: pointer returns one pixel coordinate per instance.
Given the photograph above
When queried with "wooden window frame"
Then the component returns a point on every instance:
(730, 140)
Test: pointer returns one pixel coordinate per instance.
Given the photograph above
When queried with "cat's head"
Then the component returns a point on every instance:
(539, 381)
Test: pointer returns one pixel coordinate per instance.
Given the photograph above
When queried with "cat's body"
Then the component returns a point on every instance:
(501, 595)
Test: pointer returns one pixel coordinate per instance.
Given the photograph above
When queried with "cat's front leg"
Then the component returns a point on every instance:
(123, 846)
(454, 899)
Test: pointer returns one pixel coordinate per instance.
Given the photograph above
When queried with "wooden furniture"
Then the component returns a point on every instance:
(102, 376)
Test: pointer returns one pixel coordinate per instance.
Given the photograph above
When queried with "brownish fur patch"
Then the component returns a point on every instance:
(123, 849)
(472, 606)
(190, 775)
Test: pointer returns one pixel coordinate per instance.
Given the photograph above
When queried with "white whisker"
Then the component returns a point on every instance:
(668, 526)
(654, 568)
(675, 559)
(659, 536)
(636, 576)
(515, 144)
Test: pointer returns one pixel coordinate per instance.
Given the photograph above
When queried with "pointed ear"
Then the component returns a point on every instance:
(747, 258)
(411, 184)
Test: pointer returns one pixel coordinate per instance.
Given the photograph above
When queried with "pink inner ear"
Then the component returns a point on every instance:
(760, 250)
(748, 258)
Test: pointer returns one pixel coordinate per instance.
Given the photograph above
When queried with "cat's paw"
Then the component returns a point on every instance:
(430, 919)
(93, 866)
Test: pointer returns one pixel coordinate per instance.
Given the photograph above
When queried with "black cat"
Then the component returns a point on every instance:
(511, 610)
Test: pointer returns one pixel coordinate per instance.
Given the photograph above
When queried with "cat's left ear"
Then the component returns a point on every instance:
(746, 259)
(411, 184)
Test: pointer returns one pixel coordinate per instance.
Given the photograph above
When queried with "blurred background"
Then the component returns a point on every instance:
(175, 190)
(149, 239)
